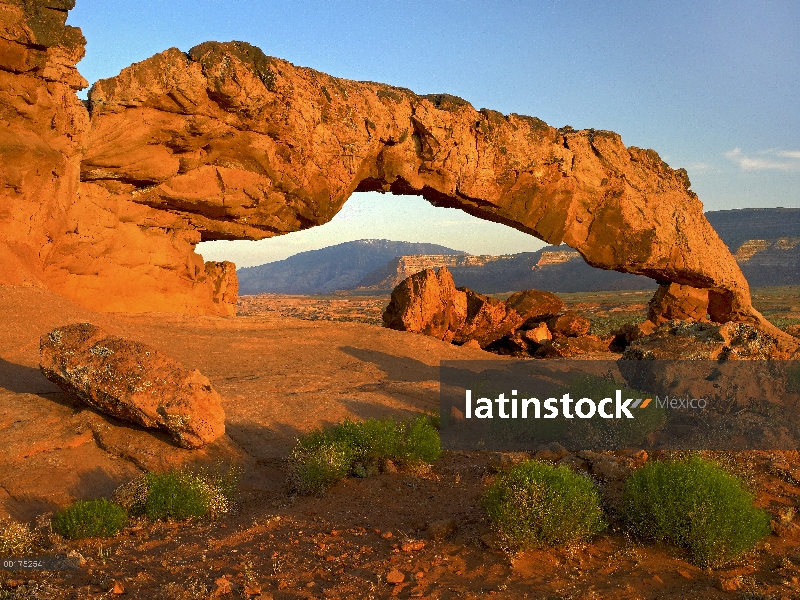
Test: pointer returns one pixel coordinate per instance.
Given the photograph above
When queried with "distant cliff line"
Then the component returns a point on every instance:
(765, 243)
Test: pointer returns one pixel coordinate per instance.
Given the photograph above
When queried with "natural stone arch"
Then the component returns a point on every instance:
(239, 145)
(227, 143)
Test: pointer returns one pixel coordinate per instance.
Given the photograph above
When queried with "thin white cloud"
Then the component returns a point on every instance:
(699, 167)
(776, 160)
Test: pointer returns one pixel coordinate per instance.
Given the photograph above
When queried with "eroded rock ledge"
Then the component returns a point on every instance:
(224, 142)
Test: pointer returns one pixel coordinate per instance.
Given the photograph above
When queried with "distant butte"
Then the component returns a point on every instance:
(105, 203)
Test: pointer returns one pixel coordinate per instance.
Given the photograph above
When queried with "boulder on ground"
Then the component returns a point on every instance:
(673, 301)
(133, 382)
(569, 324)
(535, 306)
(538, 334)
(427, 302)
(488, 319)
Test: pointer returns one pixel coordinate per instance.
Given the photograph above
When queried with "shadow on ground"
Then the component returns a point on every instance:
(397, 368)
(24, 380)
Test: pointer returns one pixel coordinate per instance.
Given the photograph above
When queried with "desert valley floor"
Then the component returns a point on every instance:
(280, 376)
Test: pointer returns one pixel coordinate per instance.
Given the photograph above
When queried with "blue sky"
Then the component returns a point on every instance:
(714, 87)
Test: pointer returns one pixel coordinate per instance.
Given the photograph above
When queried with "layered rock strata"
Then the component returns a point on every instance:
(226, 143)
(133, 382)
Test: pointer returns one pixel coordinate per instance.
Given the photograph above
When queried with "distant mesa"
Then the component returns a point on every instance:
(107, 203)
(764, 241)
(770, 261)
(339, 267)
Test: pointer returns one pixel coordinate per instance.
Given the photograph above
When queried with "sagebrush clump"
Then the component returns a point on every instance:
(695, 504)
(325, 456)
(90, 518)
(536, 504)
(179, 495)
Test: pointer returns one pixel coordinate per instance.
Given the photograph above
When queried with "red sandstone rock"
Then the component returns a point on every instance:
(236, 173)
(488, 319)
(395, 577)
(678, 302)
(42, 130)
(513, 344)
(676, 340)
(133, 382)
(539, 334)
(534, 306)
(77, 239)
(566, 347)
(569, 324)
(427, 302)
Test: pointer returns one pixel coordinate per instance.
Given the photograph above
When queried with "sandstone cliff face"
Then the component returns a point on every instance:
(55, 232)
(42, 130)
(227, 143)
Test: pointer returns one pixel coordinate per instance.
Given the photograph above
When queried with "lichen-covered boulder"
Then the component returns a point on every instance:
(133, 382)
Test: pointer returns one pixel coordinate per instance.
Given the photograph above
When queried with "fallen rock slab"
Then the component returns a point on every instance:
(133, 382)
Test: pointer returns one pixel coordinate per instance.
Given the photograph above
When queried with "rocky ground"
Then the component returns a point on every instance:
(279, 376)
(606, 310)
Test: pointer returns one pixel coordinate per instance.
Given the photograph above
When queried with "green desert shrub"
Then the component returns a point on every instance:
(180, 495)
(90, 518)
(16, 538)
(174, 495)
(536, 504)
(695, 504)
(325, 456)
(606, 326)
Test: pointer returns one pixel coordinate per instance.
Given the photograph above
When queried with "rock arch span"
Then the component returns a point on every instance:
(224, 142)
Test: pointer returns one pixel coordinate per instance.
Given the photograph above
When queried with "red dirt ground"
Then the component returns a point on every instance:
(279, 377)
